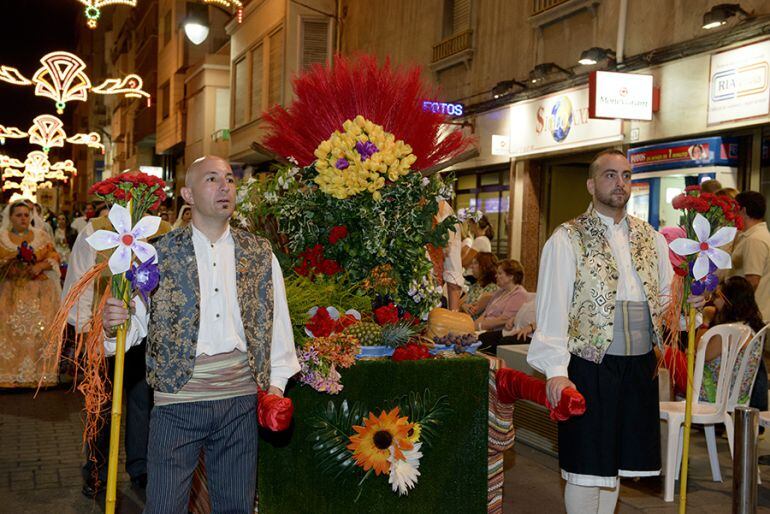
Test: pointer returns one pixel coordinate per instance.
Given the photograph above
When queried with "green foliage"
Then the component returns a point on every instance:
(426, 410)
(295, 215)
(332, 428)
(303, 294)
(397, 334)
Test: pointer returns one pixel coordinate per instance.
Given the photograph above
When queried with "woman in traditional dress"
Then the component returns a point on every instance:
(29, 298)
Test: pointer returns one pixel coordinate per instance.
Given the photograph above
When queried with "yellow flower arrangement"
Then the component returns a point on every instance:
(372, 442)
(360, 159)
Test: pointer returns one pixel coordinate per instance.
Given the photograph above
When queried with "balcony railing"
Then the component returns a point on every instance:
(539, 6)
(452, 45)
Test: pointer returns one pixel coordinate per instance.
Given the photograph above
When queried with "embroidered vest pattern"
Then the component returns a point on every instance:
(592, 312)
(175, 308)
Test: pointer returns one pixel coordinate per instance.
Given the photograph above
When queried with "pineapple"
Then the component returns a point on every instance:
(367, 333)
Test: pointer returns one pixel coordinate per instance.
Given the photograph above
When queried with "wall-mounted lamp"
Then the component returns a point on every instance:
(543, 70)
(595, 55)
(720, 13)
(503, 87)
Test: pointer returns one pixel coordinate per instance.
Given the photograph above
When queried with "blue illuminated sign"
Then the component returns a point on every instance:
(443, 108)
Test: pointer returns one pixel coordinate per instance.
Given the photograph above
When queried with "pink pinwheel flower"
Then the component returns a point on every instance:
(126, 239)
(706, 246)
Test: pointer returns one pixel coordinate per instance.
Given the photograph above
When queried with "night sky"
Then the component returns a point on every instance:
(31, 29)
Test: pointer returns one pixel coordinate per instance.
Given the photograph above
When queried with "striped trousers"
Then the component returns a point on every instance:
(227, 431)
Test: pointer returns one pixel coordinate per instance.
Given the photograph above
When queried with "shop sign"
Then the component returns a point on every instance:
(738, 86)
(443, 108)
(691, 153)
(625, 96)
(558, 122)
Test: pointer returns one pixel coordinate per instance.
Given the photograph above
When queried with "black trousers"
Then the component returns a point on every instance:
(138, 397)
(491, 339)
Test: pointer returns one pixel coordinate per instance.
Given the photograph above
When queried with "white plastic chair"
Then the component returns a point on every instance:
(733, 335)
(733, 399)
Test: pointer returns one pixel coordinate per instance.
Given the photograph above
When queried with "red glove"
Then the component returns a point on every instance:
(274, 412)
(514, 385)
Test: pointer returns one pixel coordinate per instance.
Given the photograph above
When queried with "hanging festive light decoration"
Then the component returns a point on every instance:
(234, 6)
(10, 133)
(36, 165)
(62, 79)
(130, 86)
(92, 140)
(94, 9)
(47, 131)
(12, 76)
(10, 162)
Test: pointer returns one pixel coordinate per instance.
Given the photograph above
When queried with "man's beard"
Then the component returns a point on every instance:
(613, 200)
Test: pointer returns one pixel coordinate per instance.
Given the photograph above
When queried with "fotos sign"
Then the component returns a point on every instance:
(558, 122)
(625, 96)
(738, 85)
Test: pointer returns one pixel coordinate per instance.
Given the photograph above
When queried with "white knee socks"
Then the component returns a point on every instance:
(589, 500)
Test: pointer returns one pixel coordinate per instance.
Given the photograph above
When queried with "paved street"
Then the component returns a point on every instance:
(41, 458)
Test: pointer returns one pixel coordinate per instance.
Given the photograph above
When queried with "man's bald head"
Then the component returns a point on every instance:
(202, 165)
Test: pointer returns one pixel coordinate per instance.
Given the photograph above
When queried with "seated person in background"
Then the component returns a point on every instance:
(506, 302)
(734, 302)
(518, 330)
(484, 269)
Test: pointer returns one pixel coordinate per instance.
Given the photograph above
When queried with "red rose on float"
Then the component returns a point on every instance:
(691, 188)
(329, 267)
(344, 322)
(337, 233)
(410, 352)
(385, 315)
(321, 324)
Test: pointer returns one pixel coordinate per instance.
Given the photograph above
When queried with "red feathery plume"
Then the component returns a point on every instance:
(325, 97)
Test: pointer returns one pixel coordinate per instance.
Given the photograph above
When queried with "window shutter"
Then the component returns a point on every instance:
(257, 69)
(315, 42)
(276, 69)
(461, 16)
(241, 92)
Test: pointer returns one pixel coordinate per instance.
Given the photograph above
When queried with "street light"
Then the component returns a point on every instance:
(594, 55)
(720, 13)
(503, 87)
(196, 31)
(541, 71)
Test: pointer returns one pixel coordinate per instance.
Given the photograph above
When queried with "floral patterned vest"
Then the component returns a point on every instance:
(175, 308)
(592, 312)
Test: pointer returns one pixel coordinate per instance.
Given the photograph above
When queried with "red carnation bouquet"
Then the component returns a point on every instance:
(145, 191)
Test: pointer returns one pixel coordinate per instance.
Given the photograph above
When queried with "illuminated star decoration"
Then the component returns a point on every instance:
(47, 131)
(93, 8)
(63, 79)
(10, 133)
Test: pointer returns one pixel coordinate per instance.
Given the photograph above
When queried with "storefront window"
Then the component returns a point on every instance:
(487, 191)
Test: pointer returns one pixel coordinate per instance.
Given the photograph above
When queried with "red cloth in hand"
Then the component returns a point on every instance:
(274, 412)
(514, 385)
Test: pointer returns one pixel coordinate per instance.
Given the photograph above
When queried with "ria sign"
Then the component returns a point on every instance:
(443, 108)
(623, 96)
(739, 85)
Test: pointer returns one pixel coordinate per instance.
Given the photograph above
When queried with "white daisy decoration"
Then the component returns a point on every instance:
(706, 246)
(404, 473)
(126, 240)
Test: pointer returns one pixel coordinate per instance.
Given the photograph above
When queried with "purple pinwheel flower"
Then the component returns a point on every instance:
(342, 163)
(366, 150)
(144, 278)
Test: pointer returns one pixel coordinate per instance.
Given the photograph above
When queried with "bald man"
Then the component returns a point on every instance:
(217, 329)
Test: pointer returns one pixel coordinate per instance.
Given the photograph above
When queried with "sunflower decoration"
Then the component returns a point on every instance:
(390, 444)
(379, 438)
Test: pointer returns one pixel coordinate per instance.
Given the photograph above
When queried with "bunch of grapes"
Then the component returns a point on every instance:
(460, 342)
